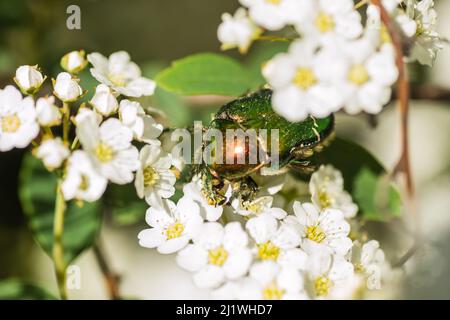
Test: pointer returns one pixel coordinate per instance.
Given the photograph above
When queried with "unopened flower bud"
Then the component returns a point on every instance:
(66, 88)
(29, 79)
(47, 113)
(74, 61)
(104, 100)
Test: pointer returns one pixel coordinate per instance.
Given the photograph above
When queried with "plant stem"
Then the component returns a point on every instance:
(66, 122)
(403, 164)
(111, 278)
(274, 39)
(58, 249)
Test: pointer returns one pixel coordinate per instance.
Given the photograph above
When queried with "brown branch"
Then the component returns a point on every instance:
(111, 278)
(403, 164)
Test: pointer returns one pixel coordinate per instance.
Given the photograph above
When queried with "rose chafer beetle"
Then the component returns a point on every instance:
(297, 141)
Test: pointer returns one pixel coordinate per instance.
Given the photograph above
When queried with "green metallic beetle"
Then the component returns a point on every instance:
(297, 141)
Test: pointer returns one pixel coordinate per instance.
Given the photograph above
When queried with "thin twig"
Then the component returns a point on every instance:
(111, 278)
(403, 164)
(58, 248)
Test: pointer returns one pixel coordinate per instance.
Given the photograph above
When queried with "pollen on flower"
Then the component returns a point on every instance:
(322, 286)
(272, 292)
(175, 230)
(315, 233)
(324, 22)
(273, 1)
(359, 268)
(325, 200)
(268, 251)
(358, 74)
(305, 78)
(104, 152)
(10, 123)
(84, 184)
(117, 79)
(217, 256)
(150, 176)
(252, 206)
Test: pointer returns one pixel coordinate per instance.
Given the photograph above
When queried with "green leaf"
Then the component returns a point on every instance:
(37, 193)
(205, 73)
(13, 289)
(364, 177)
(124, 205)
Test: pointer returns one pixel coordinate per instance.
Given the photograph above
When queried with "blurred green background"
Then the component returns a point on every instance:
(156, 32)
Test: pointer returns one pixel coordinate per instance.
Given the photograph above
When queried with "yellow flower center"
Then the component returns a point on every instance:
(275, 2)
(384, 35)
(305, 78)
(217, 256)
(84, 184)
(150, 176)
(358, 74)
(322, 286)
(117, 79)
(272, 292)
(268, 251)
(104, 152)
(10, 123)
(324, 198)
(324, 22)
(359, 268)
(252, 206)
(315, 233)
(175, 230)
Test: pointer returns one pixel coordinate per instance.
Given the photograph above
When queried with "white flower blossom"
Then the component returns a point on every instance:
(104, 100)
(154, 179)
(276, 14)
(29, 79)
(327, 191)
(218, 253)
(270, 281)
(109, 147)
(67, 88)
(48, 114)
(82, 180)
(144, 127)
(303, 81)
(209, 212)
(237, 31)
(172, 226)
(18, 125)
(121, 74)
(257, 206)
(327, 228)
(88, 113)
(74, 61)
(52, 152)
(331, 19)
(326, 273)
(276, 241)
(369, 261)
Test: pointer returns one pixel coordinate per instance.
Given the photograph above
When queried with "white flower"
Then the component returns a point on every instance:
(172, 226)
(237, 31)
(327, 228)
(104, 100)
(88, 113)
(270, 281)
(52, 152)
(369, 261)
(29, 79)
(144, 127)
(18, 126)
(257, 206)
(194, 190)
(109, 147)
(82, 180)
(74, 61)
(276, 14)
(327, 191)
(303, 81)
(276, 242)
(327, 272)
(48, 114)
(369, 77)
(218, 253)
(331, 19)
(154, 179)
(67, 88)
(119, 73)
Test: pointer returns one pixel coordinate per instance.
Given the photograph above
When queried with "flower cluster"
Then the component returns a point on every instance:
(303, 251)
(336, 60)
(108, 129)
